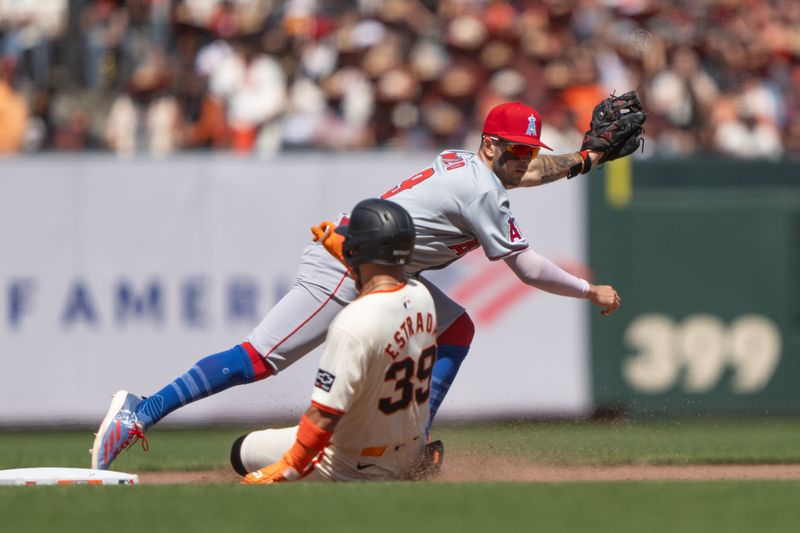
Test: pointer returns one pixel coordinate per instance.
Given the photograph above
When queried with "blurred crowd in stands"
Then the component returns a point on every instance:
(263, 76)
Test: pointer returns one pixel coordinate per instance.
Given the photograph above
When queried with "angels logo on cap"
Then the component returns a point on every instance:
(515, 122)
(531, 126)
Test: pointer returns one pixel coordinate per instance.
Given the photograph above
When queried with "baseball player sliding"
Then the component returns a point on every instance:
(458, 204)
(369, 406)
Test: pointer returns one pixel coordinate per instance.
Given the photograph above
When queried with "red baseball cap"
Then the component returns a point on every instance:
(515, 122)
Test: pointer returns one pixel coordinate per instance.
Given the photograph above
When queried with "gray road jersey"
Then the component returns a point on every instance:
(457, 204)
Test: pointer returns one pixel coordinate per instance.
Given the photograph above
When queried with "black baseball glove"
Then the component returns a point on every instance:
(616, 127)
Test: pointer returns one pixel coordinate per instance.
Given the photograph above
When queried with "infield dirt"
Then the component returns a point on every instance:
(469, 468)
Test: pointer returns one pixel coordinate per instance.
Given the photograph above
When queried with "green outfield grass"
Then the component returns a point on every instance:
(635, 507)
(723, 441)
(407, 507)
(714, 442)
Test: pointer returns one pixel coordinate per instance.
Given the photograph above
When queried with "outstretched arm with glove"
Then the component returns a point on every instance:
(615, 131)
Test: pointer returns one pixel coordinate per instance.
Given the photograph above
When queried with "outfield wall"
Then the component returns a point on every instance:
(122, 273)
(706, 255)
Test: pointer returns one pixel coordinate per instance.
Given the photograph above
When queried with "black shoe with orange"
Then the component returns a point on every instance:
(430, 463)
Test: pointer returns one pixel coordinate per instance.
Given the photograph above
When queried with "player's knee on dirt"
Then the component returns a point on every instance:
(260, 448)
(236, 456)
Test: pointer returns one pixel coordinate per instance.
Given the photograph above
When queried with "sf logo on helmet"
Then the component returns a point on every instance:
(531, 126)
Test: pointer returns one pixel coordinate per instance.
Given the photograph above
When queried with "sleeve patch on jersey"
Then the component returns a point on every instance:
(513, 232)
(452, 160)
(324, 380)
(464, 247)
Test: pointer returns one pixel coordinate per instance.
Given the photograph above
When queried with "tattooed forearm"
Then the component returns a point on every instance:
(549, 168)
(555, 167)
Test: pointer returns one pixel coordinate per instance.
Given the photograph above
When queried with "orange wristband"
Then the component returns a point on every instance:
(310, 440)
(311, 435)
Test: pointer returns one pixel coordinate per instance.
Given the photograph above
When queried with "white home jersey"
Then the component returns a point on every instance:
(376, 372)
(457, 204)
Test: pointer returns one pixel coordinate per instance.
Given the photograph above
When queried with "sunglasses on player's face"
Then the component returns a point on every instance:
(519, 151)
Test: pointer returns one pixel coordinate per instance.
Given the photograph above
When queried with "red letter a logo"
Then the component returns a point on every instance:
(513, 232)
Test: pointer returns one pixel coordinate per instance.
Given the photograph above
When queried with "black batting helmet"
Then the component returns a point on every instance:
(379, 232)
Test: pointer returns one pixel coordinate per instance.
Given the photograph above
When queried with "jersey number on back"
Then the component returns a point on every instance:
(419, 177)
(403, 372)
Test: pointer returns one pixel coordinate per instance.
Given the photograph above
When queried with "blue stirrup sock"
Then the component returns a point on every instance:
(448, 362)
(208, 376)
(453, 346)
